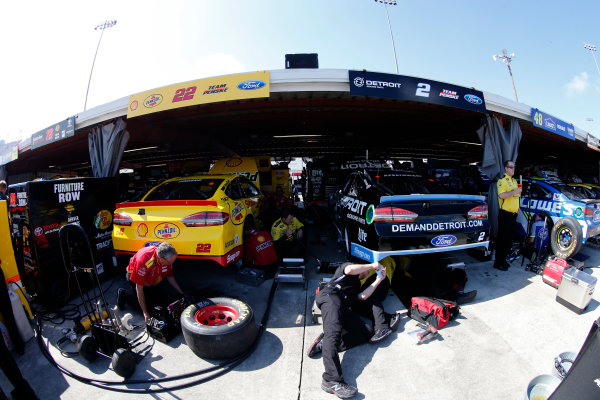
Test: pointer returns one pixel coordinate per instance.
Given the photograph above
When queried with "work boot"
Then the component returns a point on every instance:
(340, 389)
(466, 297)
(316, 347)
(394, 322)
(380, 335)
(121, 299)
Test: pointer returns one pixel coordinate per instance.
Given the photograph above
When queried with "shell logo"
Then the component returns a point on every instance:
(233, 162)
(142, 230)
(260, 239)
(166, 230)
(103, 219)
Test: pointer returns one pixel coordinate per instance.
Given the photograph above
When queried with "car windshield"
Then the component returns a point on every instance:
(568, 191)
(186, 189)
(398, 183)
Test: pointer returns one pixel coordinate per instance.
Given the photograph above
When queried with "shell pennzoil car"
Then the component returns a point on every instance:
(573, 218)
(202, 216)
(388, 213)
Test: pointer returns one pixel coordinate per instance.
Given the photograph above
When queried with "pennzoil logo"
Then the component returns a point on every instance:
(166, 231)
(153, 100)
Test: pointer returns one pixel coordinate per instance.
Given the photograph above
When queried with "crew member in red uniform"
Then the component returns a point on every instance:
(260, 250)
(148, 270)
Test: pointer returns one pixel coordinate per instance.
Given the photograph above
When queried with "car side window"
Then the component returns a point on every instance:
(233, 190)
(538, 192)
(348, 185)
(248, 189)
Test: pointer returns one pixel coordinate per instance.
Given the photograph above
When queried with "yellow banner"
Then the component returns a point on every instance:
(210, 90)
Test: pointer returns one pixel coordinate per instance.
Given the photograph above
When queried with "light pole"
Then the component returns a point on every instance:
(592, 48)
(385, 4)
(507, 58)
(102, 26)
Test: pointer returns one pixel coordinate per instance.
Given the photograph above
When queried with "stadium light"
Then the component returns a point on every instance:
(507, 58)
(102, 26)
(592, 48)
(385, 4)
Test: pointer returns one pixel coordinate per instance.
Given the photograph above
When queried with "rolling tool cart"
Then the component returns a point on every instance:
(108, 334)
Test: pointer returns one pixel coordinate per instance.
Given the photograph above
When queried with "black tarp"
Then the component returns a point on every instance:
(583, 379)
(499, 146)
(106, 145)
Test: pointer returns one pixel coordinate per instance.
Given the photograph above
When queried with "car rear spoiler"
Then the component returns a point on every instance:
(589, 201)
(427, 197)
(168, 203)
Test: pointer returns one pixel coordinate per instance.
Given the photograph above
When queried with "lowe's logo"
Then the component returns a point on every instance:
(471, 98)
(443, 240)
(251, 85)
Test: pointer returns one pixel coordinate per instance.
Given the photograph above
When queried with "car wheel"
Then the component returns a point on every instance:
(87, 347)
(123, 362)
(221, 328)
(566, 237)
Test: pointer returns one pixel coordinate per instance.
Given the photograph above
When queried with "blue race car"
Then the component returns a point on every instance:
(387, 212)
(572, 218)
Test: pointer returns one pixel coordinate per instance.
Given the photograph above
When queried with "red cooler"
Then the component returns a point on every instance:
(553, 271)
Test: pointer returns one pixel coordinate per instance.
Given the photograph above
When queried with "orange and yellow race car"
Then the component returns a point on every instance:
(202, 216)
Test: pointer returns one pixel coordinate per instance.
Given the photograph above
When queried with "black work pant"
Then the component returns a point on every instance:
(289, 249)
(162, 294)
(506, 231)
(342, 329)
(372, 307)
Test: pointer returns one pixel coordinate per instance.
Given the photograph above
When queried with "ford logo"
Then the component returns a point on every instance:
(471, 98)
(251, 85)
(443, 240)
(153, 100)
(155, 244)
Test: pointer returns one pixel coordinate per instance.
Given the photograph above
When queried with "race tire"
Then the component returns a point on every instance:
(566, 237)
(123, 362)
(87, 347)
(221, 328)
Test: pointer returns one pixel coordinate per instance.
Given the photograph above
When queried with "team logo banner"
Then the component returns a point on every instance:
(552, 124)
(54, 133)
(415, 89)
(593, 142)
(201, 91)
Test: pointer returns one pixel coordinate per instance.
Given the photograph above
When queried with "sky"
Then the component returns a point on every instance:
(47, 49)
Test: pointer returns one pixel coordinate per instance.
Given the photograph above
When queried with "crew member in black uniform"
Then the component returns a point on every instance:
(342, 327)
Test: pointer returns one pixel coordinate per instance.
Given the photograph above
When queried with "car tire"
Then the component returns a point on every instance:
(221, 328)
(566, 237)
(123, 362)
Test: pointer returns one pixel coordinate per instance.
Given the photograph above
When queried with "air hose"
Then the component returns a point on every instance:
(224, 367)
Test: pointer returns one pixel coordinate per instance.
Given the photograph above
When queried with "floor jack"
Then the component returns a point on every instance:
(108, 333)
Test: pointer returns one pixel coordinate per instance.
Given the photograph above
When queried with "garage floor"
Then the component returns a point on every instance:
(507, 336)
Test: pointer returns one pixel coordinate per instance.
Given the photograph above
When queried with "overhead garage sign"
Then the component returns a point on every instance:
(552, 124)
(408, 88)
(54, 133)
(201, 91)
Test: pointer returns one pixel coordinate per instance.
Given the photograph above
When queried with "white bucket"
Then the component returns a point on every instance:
(541, 387)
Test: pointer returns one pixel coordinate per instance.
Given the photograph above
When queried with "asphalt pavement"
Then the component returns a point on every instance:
(508, 335)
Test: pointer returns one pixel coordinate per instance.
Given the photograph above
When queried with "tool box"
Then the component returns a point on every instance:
(576, 289)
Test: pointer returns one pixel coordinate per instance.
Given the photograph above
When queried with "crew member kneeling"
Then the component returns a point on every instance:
(147, 272)
(342, 328)
(288, 236)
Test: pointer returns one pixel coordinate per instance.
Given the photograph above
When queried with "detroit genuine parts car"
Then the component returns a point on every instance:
(202, 216)
(572, 218)
(387, 212)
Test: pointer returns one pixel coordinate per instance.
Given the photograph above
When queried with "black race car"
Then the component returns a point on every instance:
(384, 213)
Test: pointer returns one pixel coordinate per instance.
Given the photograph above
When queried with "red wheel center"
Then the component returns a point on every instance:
(216, 315)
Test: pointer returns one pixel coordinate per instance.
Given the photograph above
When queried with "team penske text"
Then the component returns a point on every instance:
(437, 226)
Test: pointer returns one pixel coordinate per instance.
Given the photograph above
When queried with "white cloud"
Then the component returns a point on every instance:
(578, 84)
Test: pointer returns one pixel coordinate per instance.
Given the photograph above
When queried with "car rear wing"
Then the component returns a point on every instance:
(429, 197)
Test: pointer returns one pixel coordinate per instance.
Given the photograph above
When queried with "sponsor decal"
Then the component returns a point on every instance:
(264, 245)
(471, 98)
(578, 212)
(236, 238)
(365, 164)
(556, 196)
(68, 191)
(102, 220)
(236, 213)
(155, 244)
(362, 252)
(232, 257)
(153, 100)
(353, 204)
(73, 219)
(370, 214)
(221, 88)
(260, 239)
(356, 218)
(166, 231)
(38, 231)
(550, 206)
(103, 245)
(359, 82)
(451, 94)
(142, 230)
(362, 235)
(251, 85)
(134, 105)
(380, 84)
(443, 240)
(436, 226)
(204, 247)
(228, 244)
(100, 268)
(548, 123)
(103, 235)
(233, 162)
